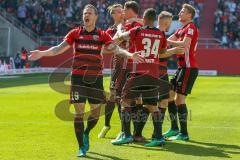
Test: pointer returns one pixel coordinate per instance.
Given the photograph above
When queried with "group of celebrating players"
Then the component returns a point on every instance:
(139, 80)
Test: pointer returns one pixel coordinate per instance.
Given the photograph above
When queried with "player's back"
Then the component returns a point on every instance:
(150, 41)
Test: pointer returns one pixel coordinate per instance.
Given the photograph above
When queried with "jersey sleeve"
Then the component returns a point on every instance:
(69, 38)
(137, 24)
(133, 33)
(190, 31)
(106, 38)
(109, 31)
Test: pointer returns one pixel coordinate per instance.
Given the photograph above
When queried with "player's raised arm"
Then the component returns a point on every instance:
(138, 20)
(170, 52)
(186, 42)
(119, 31)
(113, 48)
(120, 37)
(165, 53)
(126, 36)
(172, 38)
(53, 51)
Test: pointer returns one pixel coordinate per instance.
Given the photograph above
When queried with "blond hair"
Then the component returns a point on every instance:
(165, 14)
(114, 6)
(190, 9)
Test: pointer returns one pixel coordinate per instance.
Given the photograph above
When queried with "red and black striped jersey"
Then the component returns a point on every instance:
(188, 59)
(87, 46)
(150, 41)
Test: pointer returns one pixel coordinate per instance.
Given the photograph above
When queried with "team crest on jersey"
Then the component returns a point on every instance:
(190, 31)
(96, 37)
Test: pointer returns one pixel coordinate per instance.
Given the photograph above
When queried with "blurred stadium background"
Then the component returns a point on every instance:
(31, 24)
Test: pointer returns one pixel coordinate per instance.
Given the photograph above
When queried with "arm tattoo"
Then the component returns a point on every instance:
(59, 48)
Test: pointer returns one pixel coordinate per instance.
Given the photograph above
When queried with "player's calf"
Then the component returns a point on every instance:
(126, 119)
(157, 118)
(173, 112)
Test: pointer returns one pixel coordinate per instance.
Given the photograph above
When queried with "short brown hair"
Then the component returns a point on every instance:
(110, 8)
(165, 14)
(91, 7)
(190, 9)
(132, 5)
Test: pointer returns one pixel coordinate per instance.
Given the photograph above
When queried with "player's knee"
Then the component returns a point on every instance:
(79, 115)
(125, 103)
(79, 109)
(180, 99)
(164, 103)
(138, 101)
(171, 96)
(95, 110)
(152, 109)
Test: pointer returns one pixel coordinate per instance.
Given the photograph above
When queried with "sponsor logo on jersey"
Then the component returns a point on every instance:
(190, 31)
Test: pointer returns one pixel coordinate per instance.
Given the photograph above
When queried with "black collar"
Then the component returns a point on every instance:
(86, 32)
(148, 27)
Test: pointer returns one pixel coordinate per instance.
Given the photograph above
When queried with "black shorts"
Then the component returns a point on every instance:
(117, 65)
(87, 88)
(184, 79)
(142, 86)
(164, 87)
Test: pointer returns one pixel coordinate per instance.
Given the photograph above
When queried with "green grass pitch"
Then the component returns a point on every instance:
(29, 128)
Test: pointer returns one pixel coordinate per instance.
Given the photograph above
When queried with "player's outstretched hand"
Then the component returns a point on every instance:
(179, 50)
(137, 57)
(35, 55)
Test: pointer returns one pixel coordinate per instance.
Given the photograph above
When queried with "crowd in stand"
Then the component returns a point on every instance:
(57, 17)
(227, 23)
